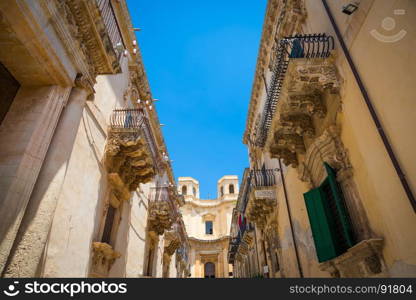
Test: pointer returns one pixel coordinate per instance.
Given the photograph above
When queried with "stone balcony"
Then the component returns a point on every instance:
(103, 257)
(303, 97)
(298, 96)
(131, 156)
(163, 209)
(172, 239)
(262, 196)
(95, 25)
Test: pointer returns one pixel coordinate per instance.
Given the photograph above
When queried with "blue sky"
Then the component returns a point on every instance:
(200, 59)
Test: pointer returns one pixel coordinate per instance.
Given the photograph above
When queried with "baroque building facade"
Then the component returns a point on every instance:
(86, 184)
(207, 224)
(331, 183)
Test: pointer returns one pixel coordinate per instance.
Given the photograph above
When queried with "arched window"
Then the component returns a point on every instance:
(231, 188)
(194, 191)
(209, 270)
(184, 190)
(222, 191)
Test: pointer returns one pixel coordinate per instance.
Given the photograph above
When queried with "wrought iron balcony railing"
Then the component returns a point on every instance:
(264, 177)
(256, 178)
(300, 46)
(110, 22)
(134, 120)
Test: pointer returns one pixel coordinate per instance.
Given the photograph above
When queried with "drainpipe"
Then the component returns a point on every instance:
(290, 221)
(372, 110)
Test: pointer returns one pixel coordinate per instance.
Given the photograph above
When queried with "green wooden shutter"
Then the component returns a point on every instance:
(342, 211)
(329, 219)
(321, 225)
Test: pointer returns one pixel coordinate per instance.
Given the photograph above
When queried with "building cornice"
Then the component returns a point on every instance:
(288, 13)
(213, 241)
(210, 205)
(265, 44)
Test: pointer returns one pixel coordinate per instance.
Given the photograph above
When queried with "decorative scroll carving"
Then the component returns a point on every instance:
(365, 259)
(313, 75)
(326, 148)
(291, 141)
(306, 81)
(86, 24)
(162, 210)
(261, 203)
(310, 103)
(288, 157)
(298, 123)
(103, 257)
(128, 162)
(172, 239)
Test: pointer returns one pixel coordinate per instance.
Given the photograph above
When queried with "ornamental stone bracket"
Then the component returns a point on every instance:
(365, 259)
(283, 18)
(160, 217)
(172, 242)
(302, 107)
(103, 257)
(128, 162)
(248, 237)
(261, 203)
(163, 212)
(88, 26)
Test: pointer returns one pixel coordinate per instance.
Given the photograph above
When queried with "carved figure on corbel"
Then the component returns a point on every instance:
(298, 123)
(126, 155)
(311, 103)
(288, 157)
(292, 141)
(103, 257)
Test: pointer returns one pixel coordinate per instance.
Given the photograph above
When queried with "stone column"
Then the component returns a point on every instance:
(35, 226)
(25, 135)
(225, 258)
(219, 268)
(198, 266)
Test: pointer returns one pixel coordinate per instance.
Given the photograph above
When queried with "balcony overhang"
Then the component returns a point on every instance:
(302, 102)
(262, 201)
(130, 154)
(163, 211)
(128, 162)
(172, 239)
(88, 25)
(364, 259)
(103, 257)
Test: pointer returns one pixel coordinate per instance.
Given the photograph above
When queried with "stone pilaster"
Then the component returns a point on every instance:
(33, 232)
(34, 112)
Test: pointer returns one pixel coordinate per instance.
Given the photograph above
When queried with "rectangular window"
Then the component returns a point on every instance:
(330, 224)
(208, 227)
(109, 222)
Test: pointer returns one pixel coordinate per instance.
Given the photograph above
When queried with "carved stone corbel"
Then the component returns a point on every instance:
(311, 103)
(288, 157)
(286, 139)
(128, 162)
(364, 259)
(103, 257)
(297, 122)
